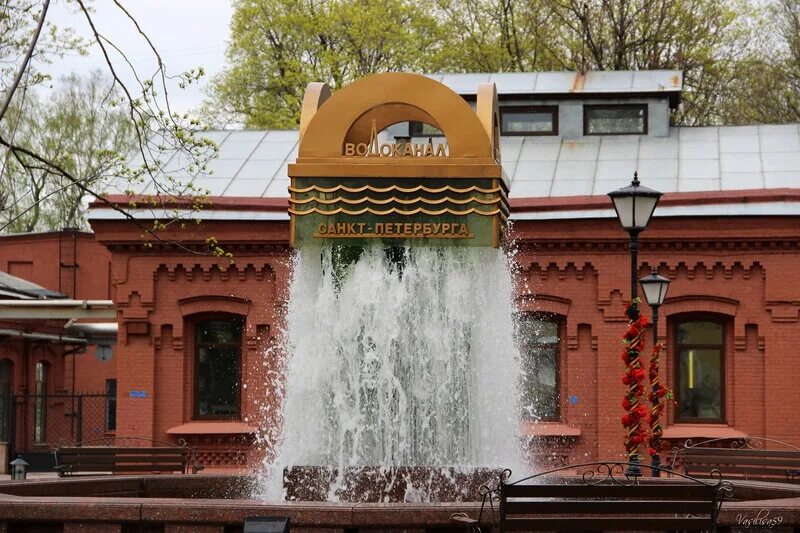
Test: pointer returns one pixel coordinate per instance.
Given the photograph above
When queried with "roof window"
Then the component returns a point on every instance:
(529, 120)
(622, 119)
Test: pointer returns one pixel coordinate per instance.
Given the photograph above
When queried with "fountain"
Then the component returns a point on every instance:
(404, 360)
(401, 370)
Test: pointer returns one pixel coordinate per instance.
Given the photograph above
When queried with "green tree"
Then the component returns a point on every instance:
(160, 134)
(500, 36)
(74, 128)
(769, 92)
(279, 46)
(711, 41)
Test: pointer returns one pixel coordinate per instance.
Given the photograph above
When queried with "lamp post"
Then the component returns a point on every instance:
(655, 289)
(634, 206)
(18, 469)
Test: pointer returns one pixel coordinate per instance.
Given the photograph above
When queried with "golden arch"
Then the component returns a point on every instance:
(327, 123)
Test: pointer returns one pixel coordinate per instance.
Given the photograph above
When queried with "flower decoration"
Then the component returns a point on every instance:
(636, 414)
(659, 394)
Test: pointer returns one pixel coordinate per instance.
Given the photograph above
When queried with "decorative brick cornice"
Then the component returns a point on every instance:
(206, 270)
(690, 303)
(543, 303)
(784, 312)
(710, 270)
(536, 244)
(239, 250)
(561, 269)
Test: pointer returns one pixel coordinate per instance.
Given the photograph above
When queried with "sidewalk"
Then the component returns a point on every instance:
(32, 475)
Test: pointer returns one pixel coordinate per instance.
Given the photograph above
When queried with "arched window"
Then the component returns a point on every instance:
(6, 380)
(538, 341)
(700, 370)
(40, 404)
(217, 356)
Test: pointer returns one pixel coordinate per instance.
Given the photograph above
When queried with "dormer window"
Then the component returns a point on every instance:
(529, 120)
(621, 119)
(420, 129)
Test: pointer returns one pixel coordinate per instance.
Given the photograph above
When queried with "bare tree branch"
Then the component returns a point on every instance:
(25, 60)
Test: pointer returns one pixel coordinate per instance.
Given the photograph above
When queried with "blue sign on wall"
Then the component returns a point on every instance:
(138, 394)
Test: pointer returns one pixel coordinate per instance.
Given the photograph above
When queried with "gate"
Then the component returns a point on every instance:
(38, 423)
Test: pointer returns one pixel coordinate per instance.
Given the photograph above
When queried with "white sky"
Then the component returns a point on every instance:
(187, 34)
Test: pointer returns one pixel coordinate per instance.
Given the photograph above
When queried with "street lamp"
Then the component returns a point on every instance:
(18, 468)
(634, 206)
(655, 289)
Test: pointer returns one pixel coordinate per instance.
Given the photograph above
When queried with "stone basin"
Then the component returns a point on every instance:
(387, 484)
(207, 503)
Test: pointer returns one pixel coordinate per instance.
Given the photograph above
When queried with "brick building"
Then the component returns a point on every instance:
(55, 309)
(197, 355)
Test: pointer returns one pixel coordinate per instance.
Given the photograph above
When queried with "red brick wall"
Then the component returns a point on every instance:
(74, 264)
(744, 269)
(739, 268)
(158, 290)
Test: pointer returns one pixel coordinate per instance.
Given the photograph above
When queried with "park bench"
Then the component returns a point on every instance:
(124, 456)
(602, 498)
(750, 458)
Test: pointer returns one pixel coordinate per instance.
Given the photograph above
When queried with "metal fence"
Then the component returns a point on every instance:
(35, 424)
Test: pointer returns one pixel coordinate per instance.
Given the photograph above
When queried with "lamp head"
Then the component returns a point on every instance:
(654, 288)
(634, 205)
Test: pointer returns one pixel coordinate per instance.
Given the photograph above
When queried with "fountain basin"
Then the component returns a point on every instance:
(220, 504)
(386, 484)
(197, 503)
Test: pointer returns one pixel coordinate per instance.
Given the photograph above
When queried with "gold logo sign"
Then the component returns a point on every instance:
(401, 230)
(375, 149)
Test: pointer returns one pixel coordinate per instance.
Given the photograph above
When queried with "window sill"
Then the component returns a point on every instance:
(705, 431)
(211, 428)
(549, 429)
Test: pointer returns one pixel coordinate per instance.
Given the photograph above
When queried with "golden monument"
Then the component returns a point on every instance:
(348, 186)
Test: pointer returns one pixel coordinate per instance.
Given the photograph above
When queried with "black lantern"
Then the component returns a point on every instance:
(654, 288)
(18, 469)
(634, 205)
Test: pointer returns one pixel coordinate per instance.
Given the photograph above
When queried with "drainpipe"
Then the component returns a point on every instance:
(42, 336)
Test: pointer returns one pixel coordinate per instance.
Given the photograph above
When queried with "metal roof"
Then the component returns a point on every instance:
(14, 287)
(567, 82)
(253, 163)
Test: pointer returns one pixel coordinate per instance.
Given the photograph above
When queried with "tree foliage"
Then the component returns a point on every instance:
(278, 46)
(17, 20)
(75, 128)
(39, 142)
(769, 92)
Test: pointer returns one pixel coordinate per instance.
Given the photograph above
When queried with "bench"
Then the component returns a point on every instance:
(741, 458)
(602, 498)
(92, 458)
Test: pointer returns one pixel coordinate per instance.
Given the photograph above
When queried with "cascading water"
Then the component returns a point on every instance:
(399, 357)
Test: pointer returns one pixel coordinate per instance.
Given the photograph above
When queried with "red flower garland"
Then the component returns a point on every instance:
(635, 433)
(658, 396)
